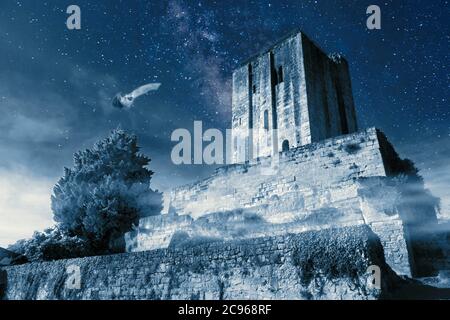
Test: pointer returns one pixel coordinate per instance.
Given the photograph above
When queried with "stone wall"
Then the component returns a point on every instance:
(343, 181)
(347, 204)
(329, 264)
(300, 173)
(330, 98)
(156, 232)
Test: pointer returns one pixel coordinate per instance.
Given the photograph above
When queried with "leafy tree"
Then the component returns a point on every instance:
(51, 244)
(105, 193)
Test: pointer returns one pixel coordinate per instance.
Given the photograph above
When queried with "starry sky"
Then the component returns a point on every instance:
(56, 84)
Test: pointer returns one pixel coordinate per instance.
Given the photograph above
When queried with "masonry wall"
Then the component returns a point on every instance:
(343, 85)
(261, 97)
(328, 89)
(330, 264)
(282, 95)
(156, 232)
(240, 111)
(346, 204)
(338, 182)
(298, 177)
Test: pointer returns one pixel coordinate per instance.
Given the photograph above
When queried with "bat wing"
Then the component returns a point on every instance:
(144, 89)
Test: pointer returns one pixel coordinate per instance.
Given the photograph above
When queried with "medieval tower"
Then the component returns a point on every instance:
(290, 95)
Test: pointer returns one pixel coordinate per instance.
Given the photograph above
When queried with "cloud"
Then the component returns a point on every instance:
(96, 88)
(22, 128)
(24, 205)
(438, 181)
(31, 113)
(432, 159)
(43, 121)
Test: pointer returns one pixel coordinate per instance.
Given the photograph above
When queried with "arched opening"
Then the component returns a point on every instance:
(285, 146)
(266, 119)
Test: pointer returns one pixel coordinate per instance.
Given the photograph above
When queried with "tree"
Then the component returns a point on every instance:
(52, 244)
(105, 193)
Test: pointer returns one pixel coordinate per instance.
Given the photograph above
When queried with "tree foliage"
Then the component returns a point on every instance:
(51, 244)
(96, 201)
(105, 192)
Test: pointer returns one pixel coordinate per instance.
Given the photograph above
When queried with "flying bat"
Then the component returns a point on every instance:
(126, 101)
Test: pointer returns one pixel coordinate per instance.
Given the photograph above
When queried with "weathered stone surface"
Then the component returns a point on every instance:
(8, 258)
(295, 88)
(327, 264)
(343, 181)
(302, 173)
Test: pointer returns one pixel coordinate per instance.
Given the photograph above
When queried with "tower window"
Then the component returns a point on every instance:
(285, 146)
(254, 88)
(280, 74)
(266, 120)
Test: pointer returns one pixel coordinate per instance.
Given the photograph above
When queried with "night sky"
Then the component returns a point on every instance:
(56, 84)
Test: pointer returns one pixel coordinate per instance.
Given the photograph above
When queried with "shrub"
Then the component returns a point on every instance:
(52, 244)
(352, 148)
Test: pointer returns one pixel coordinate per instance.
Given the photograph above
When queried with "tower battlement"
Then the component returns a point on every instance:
(290, 95)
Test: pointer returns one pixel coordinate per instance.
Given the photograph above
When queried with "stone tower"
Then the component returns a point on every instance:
(290, 95)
